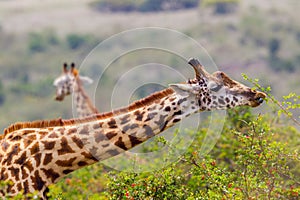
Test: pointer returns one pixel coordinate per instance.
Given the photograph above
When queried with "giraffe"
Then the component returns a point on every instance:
(71, 82)
(34, 155)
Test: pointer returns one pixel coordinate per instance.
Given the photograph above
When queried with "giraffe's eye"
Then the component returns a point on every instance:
(215, 87)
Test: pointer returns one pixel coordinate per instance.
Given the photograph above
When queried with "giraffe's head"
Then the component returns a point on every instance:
(217, 90)
(66, 83)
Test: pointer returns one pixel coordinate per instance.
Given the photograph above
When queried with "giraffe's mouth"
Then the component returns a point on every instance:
(59, 98)
(257, 99)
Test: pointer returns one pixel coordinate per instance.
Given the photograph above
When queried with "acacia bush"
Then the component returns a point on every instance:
(36, 43)
(41, 41)
(247, 163)
(76, 41)
(143, 6)
(222, 6)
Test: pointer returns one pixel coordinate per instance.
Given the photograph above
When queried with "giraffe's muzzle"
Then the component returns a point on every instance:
(258, 99)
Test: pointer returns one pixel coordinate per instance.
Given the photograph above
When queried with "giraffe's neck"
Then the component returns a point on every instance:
(122, 131)
(37, 157)
(82, 102)
(103, 136)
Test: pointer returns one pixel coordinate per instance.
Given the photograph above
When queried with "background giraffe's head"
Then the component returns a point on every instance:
(66, 83)
(217, 90)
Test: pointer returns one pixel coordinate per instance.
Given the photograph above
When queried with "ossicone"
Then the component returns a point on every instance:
(199, 69)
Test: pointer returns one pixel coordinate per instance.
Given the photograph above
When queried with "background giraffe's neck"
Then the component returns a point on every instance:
(82, 102)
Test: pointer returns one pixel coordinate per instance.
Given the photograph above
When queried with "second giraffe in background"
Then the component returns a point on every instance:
(70, 82)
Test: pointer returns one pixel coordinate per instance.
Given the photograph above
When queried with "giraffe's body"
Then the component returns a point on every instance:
(35, 155)
(70, 82)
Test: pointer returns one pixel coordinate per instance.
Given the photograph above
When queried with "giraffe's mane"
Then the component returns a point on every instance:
(133, 106)
(34, 124)
(60, 122)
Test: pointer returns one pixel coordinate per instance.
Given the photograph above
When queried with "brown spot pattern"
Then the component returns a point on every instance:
(65, 163)
(48, 158)
(53, 135)
(51, 174)
(96, 126)
(72, 130)
(35, 148)
(139, 115)
(82, 163)
(78, 142)
(65, 147)
(21, 159)
(134, 140)
(111, 134)
(48, 145)
(38, 182)
(121, 144)
(37, 158)
(5, 145)
(112, 123)
(89, 156)
(84, 130)
(99, 137)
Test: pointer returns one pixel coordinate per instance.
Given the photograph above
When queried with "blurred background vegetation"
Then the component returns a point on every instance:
(258, 38)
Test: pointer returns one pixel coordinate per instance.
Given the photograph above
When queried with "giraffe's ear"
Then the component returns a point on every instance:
(184, 89)
(86, 80)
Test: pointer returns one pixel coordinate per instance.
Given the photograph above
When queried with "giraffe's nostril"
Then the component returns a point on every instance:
(259, 100)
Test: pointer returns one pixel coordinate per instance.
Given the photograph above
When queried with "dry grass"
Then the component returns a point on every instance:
(77, 17)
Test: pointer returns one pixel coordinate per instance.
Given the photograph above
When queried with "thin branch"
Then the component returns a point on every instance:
(272, 98)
